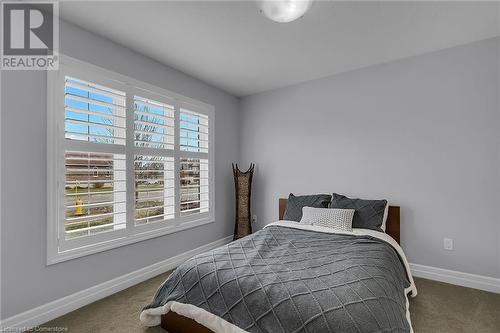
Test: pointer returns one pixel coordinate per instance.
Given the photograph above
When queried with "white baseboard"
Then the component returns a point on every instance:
(458, 278)
(59, 307)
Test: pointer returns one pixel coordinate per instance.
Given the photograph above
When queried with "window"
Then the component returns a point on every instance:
(153, 124)
(193, 131)
(154, 188)
(127, 161)
(93, 113)
(194, 185)
(94, 193)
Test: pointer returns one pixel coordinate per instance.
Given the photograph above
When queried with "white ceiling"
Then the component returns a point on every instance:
(232, 46)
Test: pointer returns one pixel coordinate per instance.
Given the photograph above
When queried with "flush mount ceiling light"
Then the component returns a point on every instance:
(284, 11)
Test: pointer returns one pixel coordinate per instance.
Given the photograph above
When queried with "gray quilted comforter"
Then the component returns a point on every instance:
(282, 279)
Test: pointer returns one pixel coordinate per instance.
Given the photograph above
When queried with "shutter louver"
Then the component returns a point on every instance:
(193, 131)
(194, 187)
(93, 113)
(153, 124)
(154, 188)
(95, 193)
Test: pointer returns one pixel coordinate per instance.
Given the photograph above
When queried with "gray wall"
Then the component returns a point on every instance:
(26, 281)
(422, 132)
(498, 110)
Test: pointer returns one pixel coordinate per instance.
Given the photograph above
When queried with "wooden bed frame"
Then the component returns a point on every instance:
(175, 323)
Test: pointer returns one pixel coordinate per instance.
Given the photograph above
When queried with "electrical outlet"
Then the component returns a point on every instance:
(254, 219)
(448, 244)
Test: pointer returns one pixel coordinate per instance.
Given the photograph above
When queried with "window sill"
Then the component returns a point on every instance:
(122, 241)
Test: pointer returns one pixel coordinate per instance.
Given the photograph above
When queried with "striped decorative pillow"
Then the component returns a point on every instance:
(339, 219)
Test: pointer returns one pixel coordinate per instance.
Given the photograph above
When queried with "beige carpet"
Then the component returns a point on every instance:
(442, 307)
(439, 307)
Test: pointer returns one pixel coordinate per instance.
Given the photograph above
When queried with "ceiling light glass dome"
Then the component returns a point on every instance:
(284, 11)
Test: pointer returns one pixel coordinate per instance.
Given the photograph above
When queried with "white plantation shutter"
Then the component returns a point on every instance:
(154, 188)
(127, 161)
(95, 197)
(193, 135)
(194, 172)
(153, 124)
(154, 162)
(95, 178)
(93, 112)
(194, 187)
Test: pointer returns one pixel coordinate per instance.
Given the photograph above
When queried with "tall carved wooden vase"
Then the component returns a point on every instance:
(243, 188)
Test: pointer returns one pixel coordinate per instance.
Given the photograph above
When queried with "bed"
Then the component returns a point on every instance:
(290, 277)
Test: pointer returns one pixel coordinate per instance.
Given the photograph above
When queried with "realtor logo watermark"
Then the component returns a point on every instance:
(30, 35)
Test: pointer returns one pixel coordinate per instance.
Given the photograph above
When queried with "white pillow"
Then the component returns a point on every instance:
(339, 219)
(384, 219)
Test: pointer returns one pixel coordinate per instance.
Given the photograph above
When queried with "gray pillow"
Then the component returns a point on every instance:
(293, 210)
(369, 213)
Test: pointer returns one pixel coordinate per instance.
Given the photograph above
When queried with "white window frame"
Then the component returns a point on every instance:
(60, 249)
